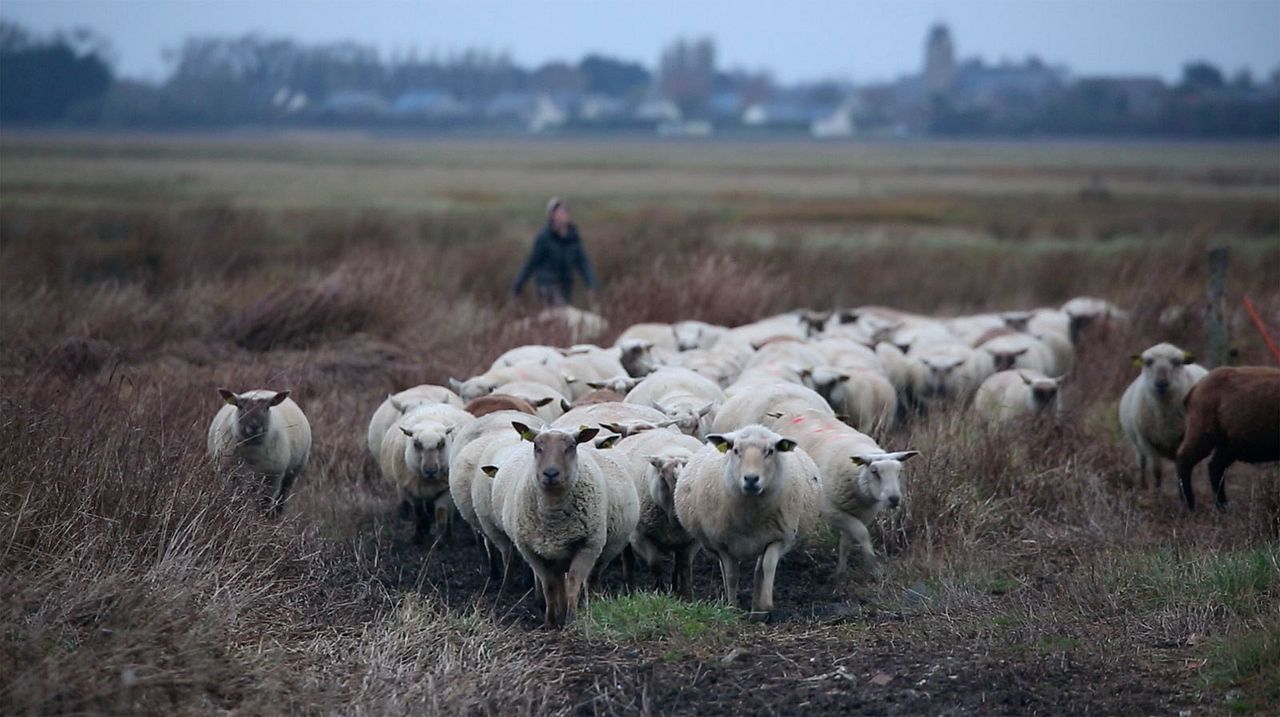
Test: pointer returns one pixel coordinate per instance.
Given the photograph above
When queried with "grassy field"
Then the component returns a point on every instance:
(1025, 572)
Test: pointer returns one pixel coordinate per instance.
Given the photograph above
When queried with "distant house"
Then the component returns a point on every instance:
(979, 85)
(546, 114)
(352, 104)
(725, 106)
(290, 101)
(779, 113)
(427, 104)
(834, 124)
(685, 128)
(657, 110)
(600, 108)
(536, 112)
(1142, 98)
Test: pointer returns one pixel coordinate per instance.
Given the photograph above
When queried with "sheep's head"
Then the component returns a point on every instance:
(687, 418)
(253, 413)
(880, 477)
(1162, 366)
(473, 388)
(814, 321)
(824, 379)
(688, 335)
(751, 466)
(1044, 391)
(555, 454)
(1005, 360)
(938, 375)
(661, 476)
(1017, 320)
(426, 452)
(637, 357)
(618, 384)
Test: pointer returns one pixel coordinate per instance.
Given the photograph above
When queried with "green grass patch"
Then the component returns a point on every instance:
(644, 616)
(1250, 662)
(1245, 582)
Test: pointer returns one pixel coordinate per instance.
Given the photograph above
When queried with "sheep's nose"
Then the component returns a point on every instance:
(431, 473)
(1162, 386)
(893, 501)
(751, 482)
(551, 473)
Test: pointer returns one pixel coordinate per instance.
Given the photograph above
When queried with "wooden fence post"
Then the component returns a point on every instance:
(1219, 349)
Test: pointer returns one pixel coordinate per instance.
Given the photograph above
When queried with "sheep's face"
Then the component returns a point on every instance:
(1005, 360)
(253, 413)
(637, 358)
(619, 384)
(475, 388)
(1044, 391)
(555, 455)
(751, 465)
(688, 335)
(686, 418)
(1163, 365)
(426, 452)
(938, 375)
(1017, 320)
(880, 479)
(824, 380)
(661, 477)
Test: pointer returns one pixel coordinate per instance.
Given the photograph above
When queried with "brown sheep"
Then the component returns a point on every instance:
(494, 402)
(599, 395)
(1233, 413)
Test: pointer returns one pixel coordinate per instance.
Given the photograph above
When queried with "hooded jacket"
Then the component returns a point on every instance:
(554, 259)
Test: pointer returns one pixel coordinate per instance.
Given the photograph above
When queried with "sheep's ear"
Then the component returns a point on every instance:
(397, 404)
(229, 396)
(565, 405)
(860, 460)
(455, 384)
(785, 445)
(597, 384)
(615, 427)
(525, 432)
(279, 398)
(706, 409)
(586, 433)
(656, 462)
(490, 471)
(902, 456)
(543, 401)
(1024, 378)
(1136, 358)
(774, 414)
(608, 441)
(1019, 353)
(1188, 357)
(570, 379)
(720, 441)
(405, 431)
(658, 407)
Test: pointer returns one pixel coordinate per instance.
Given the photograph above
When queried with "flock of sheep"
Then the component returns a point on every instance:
(689, 436)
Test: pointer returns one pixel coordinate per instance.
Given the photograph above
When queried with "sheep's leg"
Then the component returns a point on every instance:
(423, 520)
(762, 589)
(274, 503)
(842, 553)
(1217, 476)
(444, 524)
(1157, 472)
(552, 592)
(682, 574)
(575, 581)
(504, 551)
(1195, 447)
(652, 557)
(854, 531)
(729, 571)
(496, 569)
(286, 487)
(1143, 462)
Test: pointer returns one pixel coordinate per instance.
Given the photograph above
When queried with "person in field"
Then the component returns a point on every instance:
(557, 253)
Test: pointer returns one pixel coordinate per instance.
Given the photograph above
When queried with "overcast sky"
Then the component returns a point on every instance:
(804, 39)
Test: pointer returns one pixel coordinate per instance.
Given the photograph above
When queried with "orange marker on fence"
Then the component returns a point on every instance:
(1262, 329)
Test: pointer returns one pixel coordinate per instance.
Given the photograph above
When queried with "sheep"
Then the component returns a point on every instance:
(611, 414)
(682, 395)
(655, 334)
(582, 325)
(637, 357)
(483, 443)
(859, 478)
(719, 366)
(566, 509)
(590, 366)
(548, 402)
(1086, 312)
(265, 434)
(749, 495)
(946, 372)
(786, 353)
(1007, 395)
(495, 402)
(487, 382)
(1152, 413)
(697, 334)
(613, 390)
(863, 397)
(842, 353)
(1020, 351)
(1233, 413)
(395, 406)
(760, 331)
(532, 354)
(656, 460)
(414, 457)
(756, 405)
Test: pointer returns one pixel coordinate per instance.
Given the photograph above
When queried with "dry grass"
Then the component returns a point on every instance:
(138, 580)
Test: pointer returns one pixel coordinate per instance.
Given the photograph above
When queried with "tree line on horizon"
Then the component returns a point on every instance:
(67, 80)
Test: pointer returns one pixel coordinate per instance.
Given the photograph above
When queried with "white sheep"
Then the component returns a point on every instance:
(655, 334)
(532, 354)
(845, 353)
(947, 372)
(1021, 351)
(764, 401)
(859, 478)
(414, 457)
(588, 366)
(549, 402)
(568, 508)
(1087, 311)
(487, 382)
(265, 434)
(625, 418)
(697, 334)
(749, 496)
(719, 366)
(862, 397)
(477, 445)
(395, 406)
(656, 459)
(684, 396)
(1152, 409)
(1007, 395)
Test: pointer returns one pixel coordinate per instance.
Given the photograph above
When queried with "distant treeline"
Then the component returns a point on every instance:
(67, 80)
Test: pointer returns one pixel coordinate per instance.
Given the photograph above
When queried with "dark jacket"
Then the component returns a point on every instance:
(553, 260)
